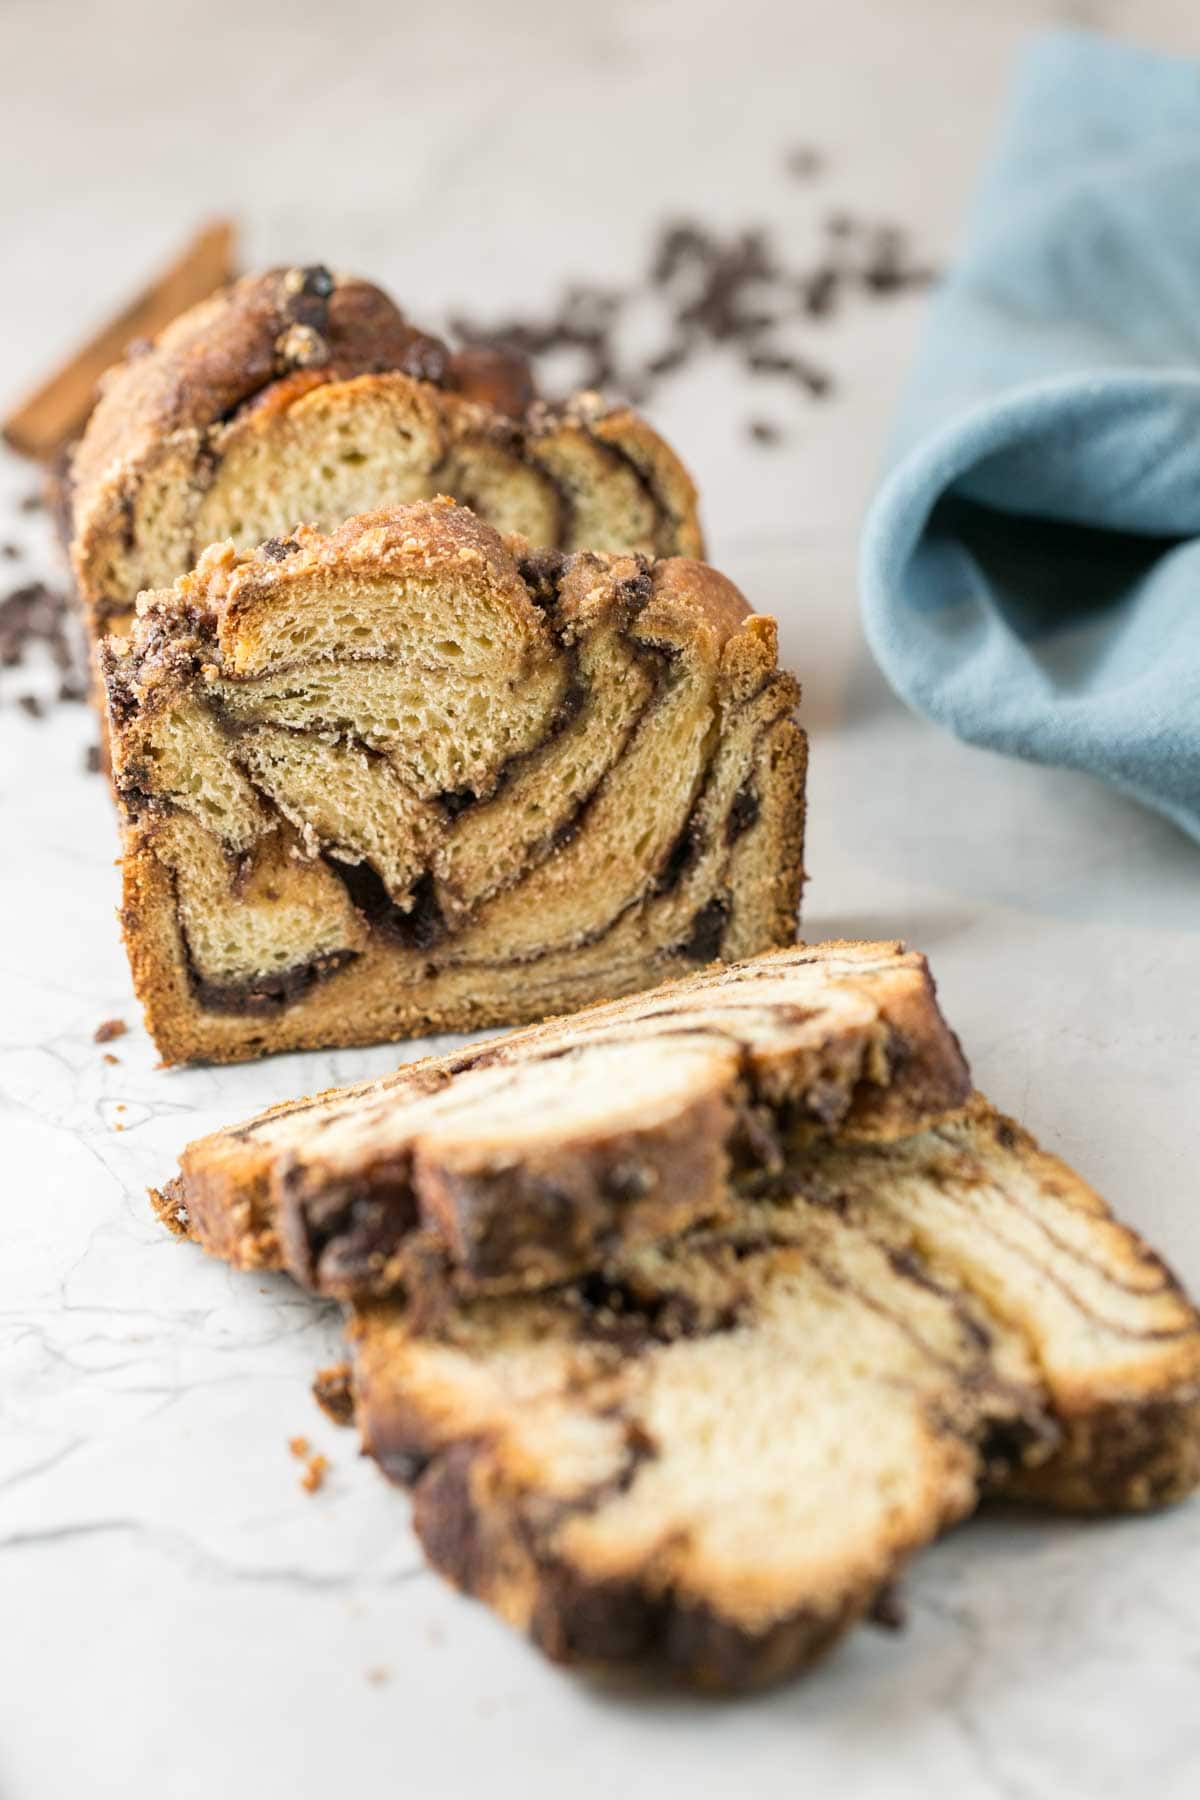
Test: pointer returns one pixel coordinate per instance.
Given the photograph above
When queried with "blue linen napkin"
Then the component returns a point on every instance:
(1031, 566)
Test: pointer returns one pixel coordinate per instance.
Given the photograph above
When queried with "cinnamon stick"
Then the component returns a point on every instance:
(55, 413)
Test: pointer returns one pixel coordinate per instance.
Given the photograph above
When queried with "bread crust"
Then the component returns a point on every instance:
(531, 1432)
(274, 1192)
(728, 876)
(235, 368)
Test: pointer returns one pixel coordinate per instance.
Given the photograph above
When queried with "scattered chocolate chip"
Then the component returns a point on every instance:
(775, 362)
(91, 759)
(10, 551)
(736, 290)
(819, 291)
(803, 162)
(109, 1029)
(33, 502)
(34, 617)
(762, 431)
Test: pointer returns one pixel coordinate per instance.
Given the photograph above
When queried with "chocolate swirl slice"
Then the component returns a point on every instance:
(718, 1453)
(521, 1158)
(404, 778)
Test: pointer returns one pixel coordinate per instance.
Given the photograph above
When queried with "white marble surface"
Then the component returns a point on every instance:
(176, 1617)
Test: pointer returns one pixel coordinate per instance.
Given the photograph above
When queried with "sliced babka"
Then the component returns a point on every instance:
(304, 396)
(409, 778)
(518, 1160)
(719, 1452)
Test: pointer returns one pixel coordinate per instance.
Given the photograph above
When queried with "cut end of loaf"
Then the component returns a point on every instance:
(304, 394)
(408, 776)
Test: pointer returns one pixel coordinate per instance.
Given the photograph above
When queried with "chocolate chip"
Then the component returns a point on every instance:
(762, 431)
(35, 617)
(279, 549)
(803, 162)
(736, 290)
(426, 359)
(317, 281)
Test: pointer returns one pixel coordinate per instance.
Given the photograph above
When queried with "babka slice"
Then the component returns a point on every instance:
(301, 395)
(410, 778)
(519, 1160)
(719, 1452)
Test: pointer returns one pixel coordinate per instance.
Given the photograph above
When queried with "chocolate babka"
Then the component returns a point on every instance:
(719, 1452)
(304, 396)
(522, 1159)
(409, 778)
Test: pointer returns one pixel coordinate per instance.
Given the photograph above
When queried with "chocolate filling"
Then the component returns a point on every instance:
(267, 994)
(743, 813)
(703, 942)
(615, 1312)
(418, 928)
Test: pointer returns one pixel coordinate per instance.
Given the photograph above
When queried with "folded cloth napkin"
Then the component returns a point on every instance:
(1031, 565)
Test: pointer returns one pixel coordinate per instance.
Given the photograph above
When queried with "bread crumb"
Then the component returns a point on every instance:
(170, 1211)
(314, 1474)
(333, 1391)
(378, 1676)
(108, 1029)
(118, 1126)
(110, 1058)
(120, 1106)
(299, 1446)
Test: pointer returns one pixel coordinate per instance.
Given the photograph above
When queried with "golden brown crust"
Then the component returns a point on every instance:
(234, 370)
(717, 870)
(217, 356)
(578, 1455)
(279, 1188)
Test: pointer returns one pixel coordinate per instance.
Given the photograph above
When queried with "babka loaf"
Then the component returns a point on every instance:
(718, 1453)
(518, 1160)
(409, 778)
(301, 395)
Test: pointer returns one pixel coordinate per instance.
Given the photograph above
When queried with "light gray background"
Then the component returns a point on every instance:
(176, 1618)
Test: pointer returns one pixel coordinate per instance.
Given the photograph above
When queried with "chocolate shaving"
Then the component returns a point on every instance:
(37, 618)
(740, 291)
